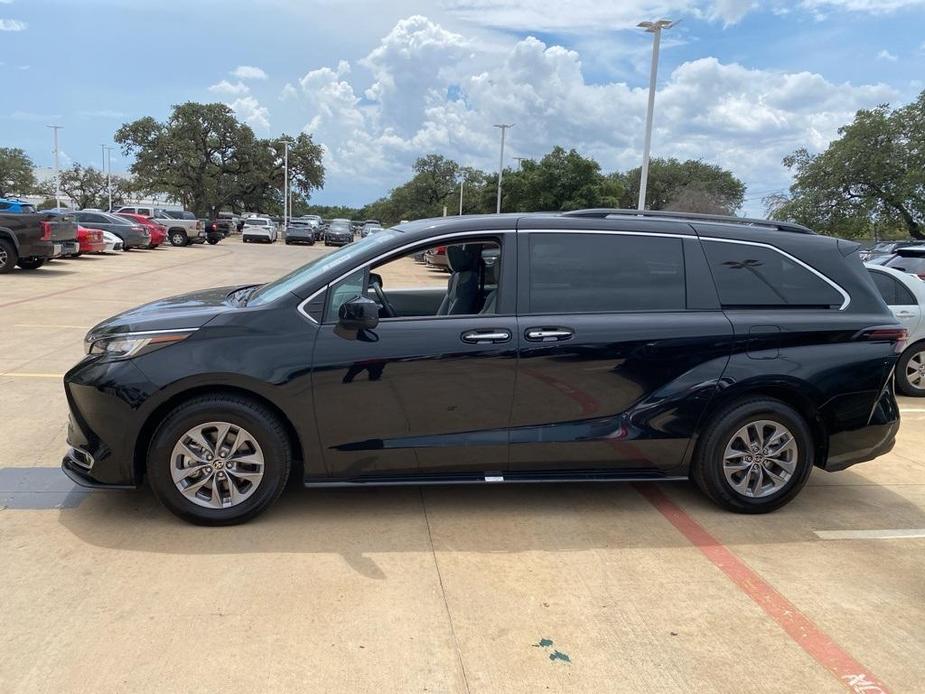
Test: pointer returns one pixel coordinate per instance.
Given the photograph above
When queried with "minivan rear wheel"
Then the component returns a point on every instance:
(219, 460)
(754, 457)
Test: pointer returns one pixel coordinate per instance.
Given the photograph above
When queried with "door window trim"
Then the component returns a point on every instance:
(387, 254)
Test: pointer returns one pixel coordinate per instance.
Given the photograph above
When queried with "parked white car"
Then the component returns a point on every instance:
(259, 229)
(904, 293)
(112, 242)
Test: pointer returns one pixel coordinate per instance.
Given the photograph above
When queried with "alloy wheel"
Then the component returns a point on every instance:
(4, 257)
(760, 458)
(217, 465)
(915, 370)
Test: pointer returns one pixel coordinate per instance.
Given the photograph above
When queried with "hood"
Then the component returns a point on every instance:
(191, 310)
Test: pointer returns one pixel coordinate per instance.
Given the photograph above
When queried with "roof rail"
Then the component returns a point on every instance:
(603, 213)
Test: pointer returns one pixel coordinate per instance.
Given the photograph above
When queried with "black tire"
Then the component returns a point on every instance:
(905, 386)
(8, 256)
(288, 242)
(239, 411)
(212, 242)
(707, 465)
(30, 263)
(178, 238)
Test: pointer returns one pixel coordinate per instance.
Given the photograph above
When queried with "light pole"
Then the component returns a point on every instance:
(56, 128)
(654, 28)
(286, 144)
(462, 184)
(108, 151)
(503, 127)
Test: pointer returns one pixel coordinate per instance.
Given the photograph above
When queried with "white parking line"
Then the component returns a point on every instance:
(910, 410)
(897, 534)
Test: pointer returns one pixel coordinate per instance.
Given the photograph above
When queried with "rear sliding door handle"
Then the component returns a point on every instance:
(548, 334)
(477, 337)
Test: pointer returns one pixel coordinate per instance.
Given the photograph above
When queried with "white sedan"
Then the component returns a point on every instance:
(905, 295)
(112, 242)
(259, 229)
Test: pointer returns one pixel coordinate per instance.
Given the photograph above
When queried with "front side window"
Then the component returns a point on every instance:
(596, 273)
(754, 276)
(449, 279)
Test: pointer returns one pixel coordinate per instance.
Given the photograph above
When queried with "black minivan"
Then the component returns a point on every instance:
(590, 345)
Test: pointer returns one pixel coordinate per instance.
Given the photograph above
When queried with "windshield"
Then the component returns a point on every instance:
(342, 257)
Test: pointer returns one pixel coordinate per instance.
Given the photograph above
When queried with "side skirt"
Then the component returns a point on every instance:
(494, 478)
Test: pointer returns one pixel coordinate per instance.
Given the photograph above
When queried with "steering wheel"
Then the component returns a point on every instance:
(383, 299)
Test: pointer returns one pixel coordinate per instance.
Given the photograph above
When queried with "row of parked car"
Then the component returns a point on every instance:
(30, 238)
(308, 229)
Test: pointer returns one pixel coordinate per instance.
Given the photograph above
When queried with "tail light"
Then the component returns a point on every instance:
(46, 231)
(212, 227)
(885, 333)
(440, 250)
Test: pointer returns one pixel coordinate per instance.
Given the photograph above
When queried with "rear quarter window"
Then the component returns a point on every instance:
(756, 276)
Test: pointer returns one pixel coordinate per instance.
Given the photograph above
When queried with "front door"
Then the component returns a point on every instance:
(614, 368)
(428, 392)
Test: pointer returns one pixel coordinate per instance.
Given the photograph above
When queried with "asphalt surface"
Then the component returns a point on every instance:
(617, 588)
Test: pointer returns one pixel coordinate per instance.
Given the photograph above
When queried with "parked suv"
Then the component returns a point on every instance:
(598, 345)
(259, 229)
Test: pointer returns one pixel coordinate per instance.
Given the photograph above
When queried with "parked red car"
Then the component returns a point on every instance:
(158, 231)
(89, 240)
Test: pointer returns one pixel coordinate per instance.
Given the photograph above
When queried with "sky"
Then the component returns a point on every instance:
(741, 83)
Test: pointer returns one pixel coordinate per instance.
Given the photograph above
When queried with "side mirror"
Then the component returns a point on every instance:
(359, 313)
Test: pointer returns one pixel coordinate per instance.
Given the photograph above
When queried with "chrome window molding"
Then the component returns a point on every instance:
(846, 299)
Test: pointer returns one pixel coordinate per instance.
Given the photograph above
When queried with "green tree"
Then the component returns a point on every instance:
(17, 172)
(682, 185)
(869, 181)
(206, 159)
(559, 181)
(89, 187)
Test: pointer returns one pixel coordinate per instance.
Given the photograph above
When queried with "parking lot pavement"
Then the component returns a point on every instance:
(481, 589)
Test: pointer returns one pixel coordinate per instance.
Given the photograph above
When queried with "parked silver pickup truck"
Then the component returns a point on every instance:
(182, 227)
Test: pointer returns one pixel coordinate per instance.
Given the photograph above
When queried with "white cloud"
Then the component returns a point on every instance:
(103, 113)
(248, 109)
(248, 72)
(288, 92)
(436, 91)
(12, 25)
(886, 55)
(36, 117)
(232, 89)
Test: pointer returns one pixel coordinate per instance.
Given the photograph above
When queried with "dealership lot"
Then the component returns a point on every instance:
(536, 587)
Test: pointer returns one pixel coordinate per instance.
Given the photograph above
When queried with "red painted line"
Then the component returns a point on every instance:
(798, 626)
(116, 278)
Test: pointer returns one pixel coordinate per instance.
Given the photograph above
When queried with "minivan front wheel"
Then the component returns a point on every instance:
(754, 457)
(219, 460)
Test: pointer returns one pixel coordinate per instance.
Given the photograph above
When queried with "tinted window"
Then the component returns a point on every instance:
(589, 273)
(755, 276)
(892, 291)
(91, 217)
(5, 205)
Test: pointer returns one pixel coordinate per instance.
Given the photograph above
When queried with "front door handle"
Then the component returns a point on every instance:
(478, 337)
(548, 334)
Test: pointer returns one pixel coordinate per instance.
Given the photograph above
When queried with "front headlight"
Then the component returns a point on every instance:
(128, 346)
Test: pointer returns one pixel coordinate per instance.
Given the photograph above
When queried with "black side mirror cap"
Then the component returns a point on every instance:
(359, 313)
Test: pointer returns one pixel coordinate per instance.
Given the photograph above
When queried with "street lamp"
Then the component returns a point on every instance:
(654, 28)
(286, 144)
(107, 167)
(56, 128)
(503, 127)
(462, 184)
(520, 161)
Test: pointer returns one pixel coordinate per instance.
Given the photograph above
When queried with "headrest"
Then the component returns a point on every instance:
(464, 257)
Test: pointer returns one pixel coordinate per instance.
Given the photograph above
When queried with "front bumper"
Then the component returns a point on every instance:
(108, 402)
(338, 240)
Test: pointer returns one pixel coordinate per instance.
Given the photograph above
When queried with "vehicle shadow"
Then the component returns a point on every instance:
(358, 524)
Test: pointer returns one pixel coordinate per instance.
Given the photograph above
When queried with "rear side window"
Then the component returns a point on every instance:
(892, 291)
(595, 273)
(749, 276)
